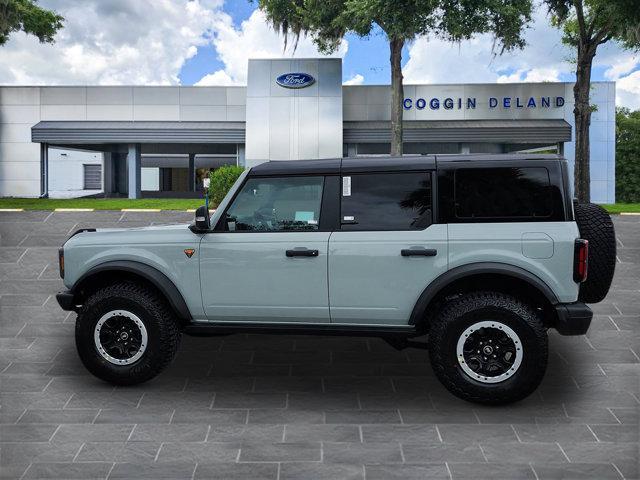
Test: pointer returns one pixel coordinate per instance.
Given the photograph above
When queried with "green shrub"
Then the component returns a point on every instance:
(221, 181)
(627, 156)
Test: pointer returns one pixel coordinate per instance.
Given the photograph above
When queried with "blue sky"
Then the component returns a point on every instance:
(366, 56)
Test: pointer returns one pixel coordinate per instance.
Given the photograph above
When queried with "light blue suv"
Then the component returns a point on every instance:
(480, 253)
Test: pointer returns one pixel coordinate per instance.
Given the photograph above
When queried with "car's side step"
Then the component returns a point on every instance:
(212, 329)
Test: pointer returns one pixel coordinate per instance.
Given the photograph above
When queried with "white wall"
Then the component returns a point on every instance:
(150, 179)
(282, 123)
(66, 171)
(602, 136)
(23, 107)
(19, 158)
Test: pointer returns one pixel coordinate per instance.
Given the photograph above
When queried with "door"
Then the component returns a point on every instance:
(270, 262)
(92, 175)
(387, 250)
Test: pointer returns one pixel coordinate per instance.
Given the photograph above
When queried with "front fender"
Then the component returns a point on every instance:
(149, 273)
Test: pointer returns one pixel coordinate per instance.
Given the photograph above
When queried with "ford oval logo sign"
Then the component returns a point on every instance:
(295, 80)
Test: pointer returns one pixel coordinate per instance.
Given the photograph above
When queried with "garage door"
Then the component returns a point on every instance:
(92, 177)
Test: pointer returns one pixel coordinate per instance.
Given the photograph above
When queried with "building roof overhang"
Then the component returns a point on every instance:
(439, 131)
(435, 131)
(89, 132)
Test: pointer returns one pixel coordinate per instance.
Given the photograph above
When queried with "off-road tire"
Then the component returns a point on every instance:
(595, 225)
(159, 321)
(464, 311)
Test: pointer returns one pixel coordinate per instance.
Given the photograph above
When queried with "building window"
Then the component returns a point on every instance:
(503, 193)
(92, 177)
(369, 149)
(386, 201)
(277, 204)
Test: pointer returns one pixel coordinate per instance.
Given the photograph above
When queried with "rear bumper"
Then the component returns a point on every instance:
(65, 300)
(573, 318)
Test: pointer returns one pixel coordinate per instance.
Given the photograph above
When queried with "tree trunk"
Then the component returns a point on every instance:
(582, 114)
(397, 95)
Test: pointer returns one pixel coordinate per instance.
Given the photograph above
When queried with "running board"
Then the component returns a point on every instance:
(213, 329)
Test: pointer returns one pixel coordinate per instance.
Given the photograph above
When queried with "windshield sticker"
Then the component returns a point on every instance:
(304, 216)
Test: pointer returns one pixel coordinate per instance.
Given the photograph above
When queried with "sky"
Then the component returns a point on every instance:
(208, 42)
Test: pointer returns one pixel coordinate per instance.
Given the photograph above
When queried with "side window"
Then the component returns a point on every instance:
(503, 193)
(386, 201)
(277, 204)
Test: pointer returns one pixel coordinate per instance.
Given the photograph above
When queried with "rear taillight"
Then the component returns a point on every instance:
(580, 260)
(61, 261)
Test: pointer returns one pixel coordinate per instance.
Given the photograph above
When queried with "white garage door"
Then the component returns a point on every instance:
(92, 177)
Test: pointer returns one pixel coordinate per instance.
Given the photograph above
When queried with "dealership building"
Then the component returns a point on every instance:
(149, 141)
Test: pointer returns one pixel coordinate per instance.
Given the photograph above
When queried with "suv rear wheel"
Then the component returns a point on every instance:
(488, 347)
(126, 334)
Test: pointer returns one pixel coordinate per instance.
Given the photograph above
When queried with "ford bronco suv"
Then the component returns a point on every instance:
(481, 253)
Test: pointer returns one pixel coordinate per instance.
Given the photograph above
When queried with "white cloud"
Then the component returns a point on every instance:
(625, 63)
(115, 42)
(357, 79)
(628, 91)
(432, 60)
(253, 39)
(514, 77)
(148, 42)
(624, 68)
(142, 42)
(531, 75)
(545, 58)
(217, 78)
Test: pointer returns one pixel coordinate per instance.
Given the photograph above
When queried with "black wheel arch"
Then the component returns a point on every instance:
(484, 275)
(119, 270)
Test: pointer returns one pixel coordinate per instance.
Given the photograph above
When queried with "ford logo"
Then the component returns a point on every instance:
(295, 80)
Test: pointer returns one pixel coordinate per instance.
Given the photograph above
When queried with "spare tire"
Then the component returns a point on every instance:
(595, 225)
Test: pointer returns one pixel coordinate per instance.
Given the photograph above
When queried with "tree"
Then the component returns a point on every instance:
(220, 182)
(28, 17)
(627, 155)
(327, 21)
(587, 24)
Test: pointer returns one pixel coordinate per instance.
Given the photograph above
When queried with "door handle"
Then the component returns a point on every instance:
(418, 252)
(302, 252)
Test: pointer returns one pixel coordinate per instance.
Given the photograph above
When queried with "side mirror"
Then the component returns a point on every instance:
(202, 223)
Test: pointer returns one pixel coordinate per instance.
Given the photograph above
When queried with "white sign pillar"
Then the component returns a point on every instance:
(303, 122)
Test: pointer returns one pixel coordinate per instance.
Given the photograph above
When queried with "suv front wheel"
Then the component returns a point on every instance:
(488, 347)
(126, 334)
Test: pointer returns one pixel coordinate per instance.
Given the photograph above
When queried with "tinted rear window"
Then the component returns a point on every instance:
(503, 193)
(386, 201)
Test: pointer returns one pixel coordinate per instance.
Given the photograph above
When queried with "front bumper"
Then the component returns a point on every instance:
(65, 300)
(573, 318)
